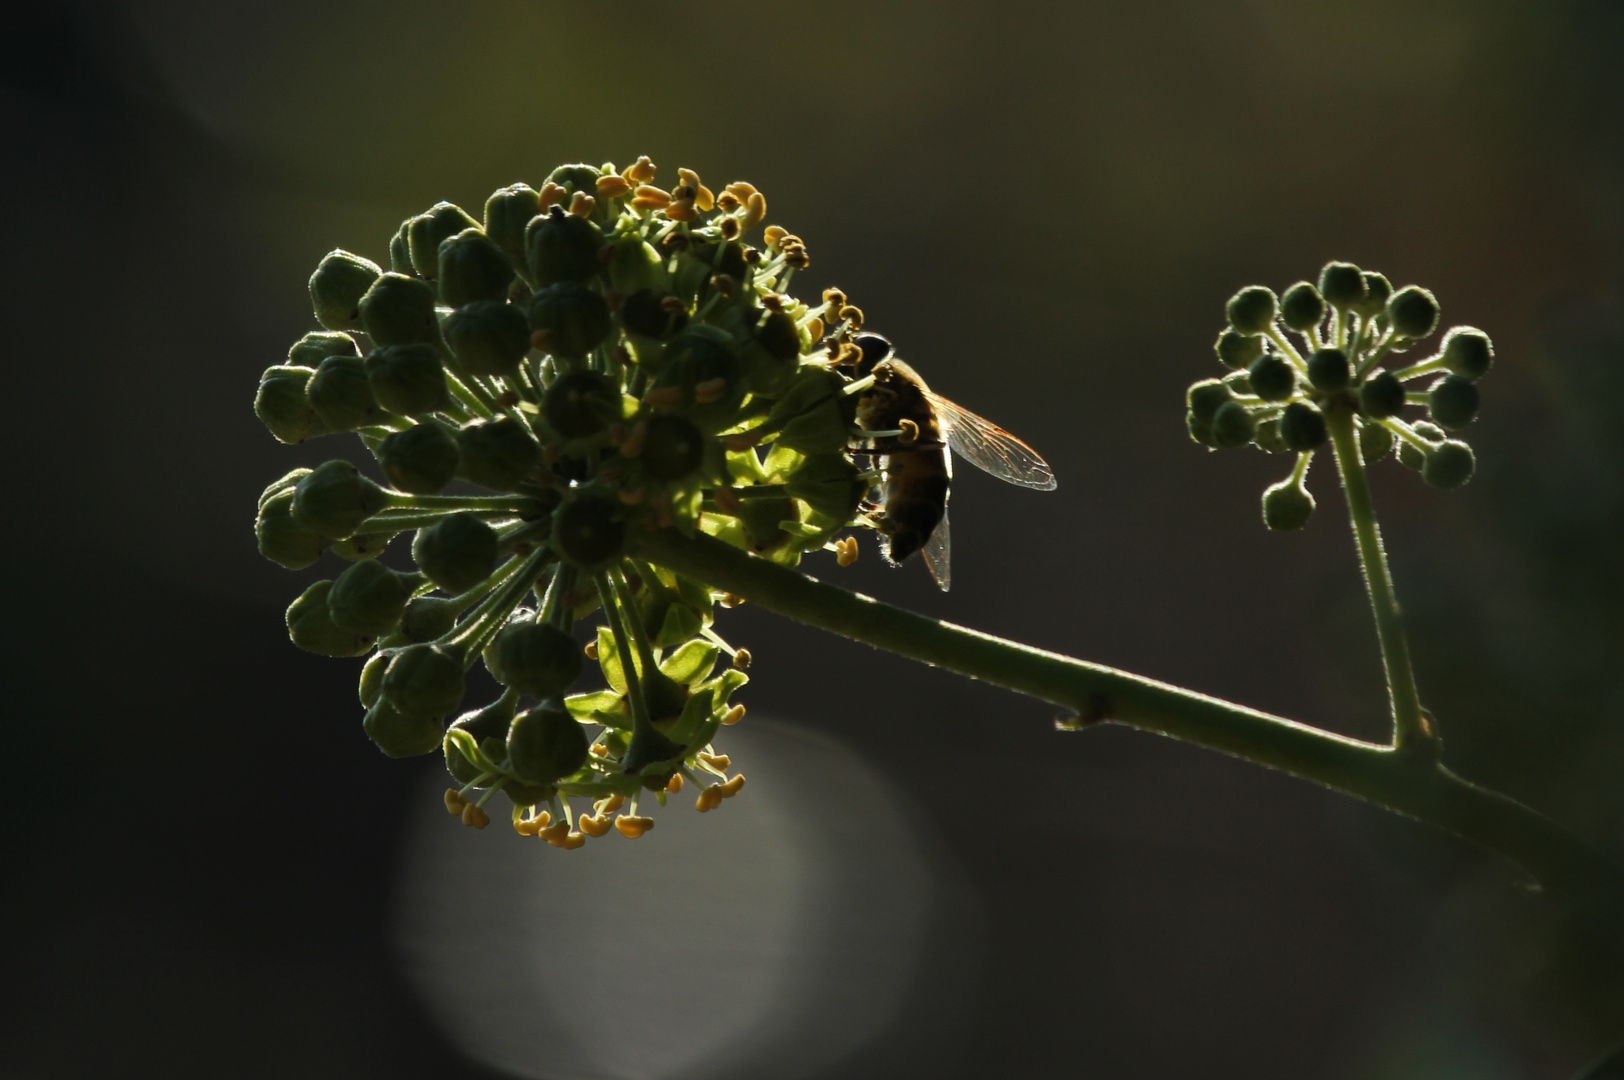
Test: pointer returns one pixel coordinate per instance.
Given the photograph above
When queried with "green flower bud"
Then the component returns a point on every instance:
(1200, 430)
(537, 658)
(399, 310)
(1251, 311)
(283, 540)
(368, 598)
(816, 417)
(643, 313)
(574, 319)
(422, 459)
(777, 334)
(498, 454)
(424, 680)
(1329, 370)
(362, 546)
(1237, 350)
(493, 660)
(400, 252)
(546, 744)
(489, 727)
(400, 734)
(283, 406)
(589, 532)
(672, 449)
(1382, 395)
(1273, 378)
(1302, 307)
(580, 404)
(426, 618)
(1341, 284)
(1410, 456)
(1206, 397)
(407, 380)
(336, 288)
(425, 232)
(472, 268)
(1413, 312)
(1377, 292)
(561, 247)
(1287, 506)
(1468, 352)
(507, 212)
(1374, 441)
(371, 684)
(316, 346)
(1302, 427)
(1232, 425)
(1452, 402)
(634, 265)
(335, 498)
(1239, 382)
(341, 394)
(1267, 436)
(577, 177)
(490, 337)
(311, 627)
(1449, 465)
(829, 484)
(456, 552)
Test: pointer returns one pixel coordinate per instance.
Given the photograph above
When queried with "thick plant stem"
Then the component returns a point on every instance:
(1406, 784)
(1411, 731)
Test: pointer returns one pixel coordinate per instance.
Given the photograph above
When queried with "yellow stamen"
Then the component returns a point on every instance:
(731, 788)
(910, 432)
(633, 827)
(454, 802)
(733, 716)
(741, 189)
(555, 832)
(814, 328)
(591, 650)
(741, 659)
(649, 197)
(674, 785)
(715, 761)
(709, 799)
(681, 210)
(582, 204)
(846, 550)
(551, 194)
(774, 235)
(571, 841)
(613, 187)
(755, 208)
(594, 824)
(640, 171)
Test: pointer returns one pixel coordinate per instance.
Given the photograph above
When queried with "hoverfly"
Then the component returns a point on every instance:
(918, 471)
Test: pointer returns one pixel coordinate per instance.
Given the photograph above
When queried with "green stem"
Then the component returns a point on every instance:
(1404, 783)
(1411, 732)
(628, 667)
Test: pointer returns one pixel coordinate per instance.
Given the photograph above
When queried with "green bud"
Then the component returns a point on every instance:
(580, 404)
(1237, 350)
(399, 310)
(672, 449)
(371, 685)
(1410, 456)
(422, 459)
(335, 498)
(1267, 436)
(493, 660)
(829, 484)
(283, 540)
(286, 482)
(1374, 441)
(1341, 284)
(1452, 402)
(316, 346)
(1287, 506)
(425, 232)
(311, 627)
(574, 319)
(643, 313)
(561, 247)
(537, 658)
(427, 618)
(368, 598)
(1302, 307)
(283, 406)
(777, 334)
(1377, 292)
(336, 288)
(635, 266)
(1239, 382)
(498, 454)
(400, 734)
(472, 268)
(456, 552)
(1449, 465)
(1329, 370)
(362, 546)
(507, 212)
(1206, 397)
(546, 744)
(1468, 352)
(1381, 396)
(588, 532)
(407, 380)
(577, 177)
(1302, 427)
(424, 680)
(1232, 425)
(400, 252)
(1273, 378)
(1251, 311)
(489, 727)
(1200, 430)
(341, 394)
(490, 337)
(1413, 312)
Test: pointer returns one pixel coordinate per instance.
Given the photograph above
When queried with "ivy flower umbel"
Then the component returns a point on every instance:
(1351, 324)
(593, 360)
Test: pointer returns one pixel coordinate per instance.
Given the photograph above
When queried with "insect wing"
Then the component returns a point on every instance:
(990, 448)
(936, 552)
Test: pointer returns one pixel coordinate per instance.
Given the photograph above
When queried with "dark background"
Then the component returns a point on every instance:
(1046, 206)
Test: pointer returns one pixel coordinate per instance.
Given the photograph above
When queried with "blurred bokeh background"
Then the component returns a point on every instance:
(1045, 205)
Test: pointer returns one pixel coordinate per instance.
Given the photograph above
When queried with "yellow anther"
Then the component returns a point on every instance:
(853, 315)
(681, 210)
(741, 189)
(640, 171)
(582, 204)
(846, 550)
(599, 750)
(731, 787)
(728, 202)
(649, 197)
(591, 650)
(527, 826)
(710, 390)
(613, 187)
(702, 194)
(571, 841)
(755, 208)
(551, 194)
(733, 716)
(814, 328)
(667, 397)
(774, 235)
(715, 761)
(594, 825)
(633, 827)
(727, 501)
(542, 820)
(454, 802)
(674, 785)
(473, 815)
(555, 832)
(910, 431)
(609, 805)
(634, 496)
(709, 799)
(632, 444)
(834, 298)
(741, 659)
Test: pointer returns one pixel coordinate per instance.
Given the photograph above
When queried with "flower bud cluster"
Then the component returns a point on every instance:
(1338, 346)
(585, 362)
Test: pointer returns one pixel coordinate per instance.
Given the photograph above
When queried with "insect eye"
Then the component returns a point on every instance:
(875, 348)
